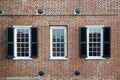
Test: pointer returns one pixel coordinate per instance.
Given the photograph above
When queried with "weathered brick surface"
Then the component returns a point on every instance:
(61, 12)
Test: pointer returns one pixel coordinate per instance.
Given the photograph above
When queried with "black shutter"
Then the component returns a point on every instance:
(10, 42)
(83, 42)
(34, 42)
(106, 42)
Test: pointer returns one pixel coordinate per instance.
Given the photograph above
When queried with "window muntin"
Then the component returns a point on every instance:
(58, 42)
(94, 42)
(22, 42)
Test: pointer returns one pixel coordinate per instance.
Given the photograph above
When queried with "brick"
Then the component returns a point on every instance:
(61, 12)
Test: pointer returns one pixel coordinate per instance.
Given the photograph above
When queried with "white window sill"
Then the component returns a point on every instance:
(22, 58)
(96, 58)
(58, 58)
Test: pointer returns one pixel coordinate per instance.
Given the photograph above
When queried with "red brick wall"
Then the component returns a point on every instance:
(61, 12)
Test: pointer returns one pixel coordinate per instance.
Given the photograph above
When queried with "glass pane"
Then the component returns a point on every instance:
(62, 32)
(90, 53)
(22, 34)
(54, 31)
(58, 39)
(54, 45)
(22, 54)
(58, 44)
(90, 49)
(26, 54)
(62, 49)
(98, 53)
(22, 40)
(18, 40)
(18, 35)
(22, 49)
(62, 54)
(98, 49)
(26, 40)
(58, 54)
(94, 49)
(22, 45)
(27, 50)
(54, 40)
(90, 39)
(90, 44)
(54, 49)
(90, 35)
(18, 50)
(62, 40)
(58, 49)
(26, 35)
(18, 54)
(62, 44)
(54, 54)
(94, 34)
(94, 39)
(18, 45)
(26, 45)
(94, 53)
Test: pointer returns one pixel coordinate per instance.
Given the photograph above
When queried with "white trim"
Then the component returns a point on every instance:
(22, 26)
(95, 58)
(22, 58)
(22, 78)
(65, 47)
(58, 58)
(96, 26)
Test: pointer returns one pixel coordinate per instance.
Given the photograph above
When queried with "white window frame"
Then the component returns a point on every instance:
(15, 42)
(51, 41)
(101, 48)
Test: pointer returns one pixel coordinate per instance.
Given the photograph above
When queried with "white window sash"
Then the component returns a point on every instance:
(51, 42)
(15, 42)
(101, 47)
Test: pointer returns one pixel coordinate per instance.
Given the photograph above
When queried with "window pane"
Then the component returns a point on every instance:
(58, 49)
(62, 40)
(62, 45)
(58, 54)
(54, 49)
(58, 44)
(62, 49)
(62, 54)
(54, 54)
(58, 39)
(18, 54)
(90, 53)
(54, 45)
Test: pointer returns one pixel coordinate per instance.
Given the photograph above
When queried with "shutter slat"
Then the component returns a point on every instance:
(83, 42)
(34, 42)
(106, 42)
(10, 42)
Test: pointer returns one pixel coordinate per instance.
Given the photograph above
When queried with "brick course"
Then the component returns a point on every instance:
(61, 12)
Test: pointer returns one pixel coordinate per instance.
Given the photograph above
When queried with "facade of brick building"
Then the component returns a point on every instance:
(60, 13)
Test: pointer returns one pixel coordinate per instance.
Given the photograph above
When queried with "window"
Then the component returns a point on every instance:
(58, 42)
(22, 42)
(94, 42)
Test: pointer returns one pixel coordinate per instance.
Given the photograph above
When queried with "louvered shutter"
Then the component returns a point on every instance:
(83, 42)
(10, 42)
(34, 42)
(106, 42)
